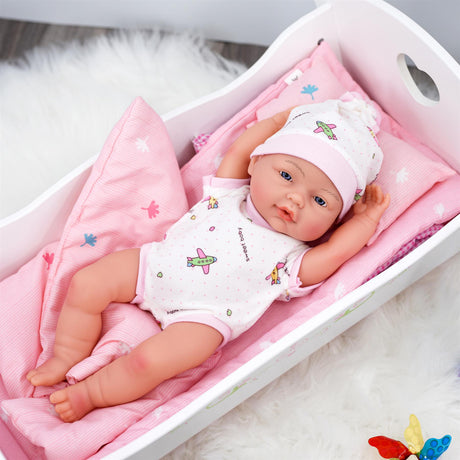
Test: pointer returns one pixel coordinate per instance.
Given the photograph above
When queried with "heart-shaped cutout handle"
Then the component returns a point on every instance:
(419, 84)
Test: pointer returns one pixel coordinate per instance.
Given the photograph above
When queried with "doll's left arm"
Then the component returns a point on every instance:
(236, 160)
(323, 260)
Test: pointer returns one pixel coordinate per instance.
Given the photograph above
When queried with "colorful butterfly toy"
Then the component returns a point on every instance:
(432, 449)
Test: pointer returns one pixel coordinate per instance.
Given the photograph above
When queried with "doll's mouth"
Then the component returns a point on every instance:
(286, 214)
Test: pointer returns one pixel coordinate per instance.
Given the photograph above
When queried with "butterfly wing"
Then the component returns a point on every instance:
(434, 448)
(389, 448)
(413, 435)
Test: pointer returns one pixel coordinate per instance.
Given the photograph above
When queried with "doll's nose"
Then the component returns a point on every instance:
(297, 199)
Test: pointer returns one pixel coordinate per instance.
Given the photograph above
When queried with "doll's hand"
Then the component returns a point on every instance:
(373, 204)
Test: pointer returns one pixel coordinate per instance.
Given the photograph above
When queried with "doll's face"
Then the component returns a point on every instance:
(294, 196)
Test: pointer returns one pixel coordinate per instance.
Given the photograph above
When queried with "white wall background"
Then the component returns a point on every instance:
(243, 21)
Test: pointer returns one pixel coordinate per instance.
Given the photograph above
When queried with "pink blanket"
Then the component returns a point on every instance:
(133, 195)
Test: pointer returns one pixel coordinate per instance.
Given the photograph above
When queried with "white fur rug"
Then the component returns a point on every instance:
(59, 104)
(58, 107)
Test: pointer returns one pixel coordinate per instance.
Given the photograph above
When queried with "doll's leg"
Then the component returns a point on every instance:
(113, 278)
(179, 347)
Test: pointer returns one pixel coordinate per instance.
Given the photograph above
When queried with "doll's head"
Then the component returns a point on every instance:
(312, 171)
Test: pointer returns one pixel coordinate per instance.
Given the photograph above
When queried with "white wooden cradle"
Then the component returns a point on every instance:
(370, 37)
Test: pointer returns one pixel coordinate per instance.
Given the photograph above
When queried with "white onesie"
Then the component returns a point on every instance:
(220, 264)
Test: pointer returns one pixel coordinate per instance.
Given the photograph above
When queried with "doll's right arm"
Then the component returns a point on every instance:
(236, 160)
(347, 240)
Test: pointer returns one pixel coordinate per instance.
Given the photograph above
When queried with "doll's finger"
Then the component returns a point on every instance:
(377, 194)
(386, 200)
(371, 193)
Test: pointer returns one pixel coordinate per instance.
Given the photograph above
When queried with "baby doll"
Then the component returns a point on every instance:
(223, 263)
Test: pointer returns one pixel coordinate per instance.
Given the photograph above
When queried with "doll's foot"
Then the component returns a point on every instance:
(72, 403)
(49, 373)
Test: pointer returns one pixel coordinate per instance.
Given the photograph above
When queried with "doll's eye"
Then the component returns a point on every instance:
(320, 201)
(285, 175)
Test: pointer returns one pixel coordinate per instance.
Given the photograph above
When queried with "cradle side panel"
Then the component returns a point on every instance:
(441, 23)
(374, 36)
(27, 231)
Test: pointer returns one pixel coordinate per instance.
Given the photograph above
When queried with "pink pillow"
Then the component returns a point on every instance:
(406, 173)
(317, 83)
(132, 196)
